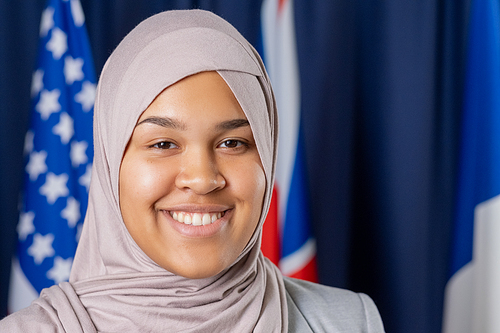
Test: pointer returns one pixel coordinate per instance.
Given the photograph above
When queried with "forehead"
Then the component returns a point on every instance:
(197, 98)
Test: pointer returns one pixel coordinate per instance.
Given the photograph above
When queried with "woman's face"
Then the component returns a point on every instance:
(191, 180)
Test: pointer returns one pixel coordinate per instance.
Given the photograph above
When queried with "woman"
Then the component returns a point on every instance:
(185, 147)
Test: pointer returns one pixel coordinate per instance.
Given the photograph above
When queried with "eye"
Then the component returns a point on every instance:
(232, 144)
(164, 145)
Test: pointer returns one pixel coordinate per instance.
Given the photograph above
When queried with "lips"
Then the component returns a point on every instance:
(196, 219)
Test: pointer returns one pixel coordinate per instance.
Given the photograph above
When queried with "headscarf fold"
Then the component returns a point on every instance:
(121, 288)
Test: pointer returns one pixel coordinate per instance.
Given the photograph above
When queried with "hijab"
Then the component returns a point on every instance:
(119, 286)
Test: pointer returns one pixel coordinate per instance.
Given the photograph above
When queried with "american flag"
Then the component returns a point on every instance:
(58, 154)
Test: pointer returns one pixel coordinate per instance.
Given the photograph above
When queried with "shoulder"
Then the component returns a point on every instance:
(330, 309)
(58, 309)
(34, 318)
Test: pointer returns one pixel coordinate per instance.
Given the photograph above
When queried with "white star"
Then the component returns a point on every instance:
(55, 187)
(77, 153)
(25, 225)
(61, 269)
(41, 247)
(84, 180)
(86, 96)
(47, 21)
(72, 212)
(77, 12)
(48, 103)
(64, 128)
(36, 165)
(36, 82)
(73, 69)
(58, 43)
(28, 142)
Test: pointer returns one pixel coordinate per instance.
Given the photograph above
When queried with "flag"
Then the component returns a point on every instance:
(472, 295)
(58, 154)
(288, 223)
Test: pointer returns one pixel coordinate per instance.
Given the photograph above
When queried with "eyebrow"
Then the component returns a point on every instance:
(164, 122)
(168, 122)
(232, 124)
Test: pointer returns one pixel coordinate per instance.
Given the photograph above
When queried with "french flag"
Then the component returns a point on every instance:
(287, 238)
(472, 296)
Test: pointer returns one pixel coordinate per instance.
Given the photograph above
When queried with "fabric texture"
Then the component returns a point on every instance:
(121, 287)
(311, 308)
(58, 309)
(316, 308)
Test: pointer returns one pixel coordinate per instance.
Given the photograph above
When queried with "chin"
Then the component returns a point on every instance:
(196, 265)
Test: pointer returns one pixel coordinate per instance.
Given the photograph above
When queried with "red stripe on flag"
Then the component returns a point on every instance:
(281, 4)
(270, 234)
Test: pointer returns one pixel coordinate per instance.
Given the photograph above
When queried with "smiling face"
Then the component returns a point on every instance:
(191, 180)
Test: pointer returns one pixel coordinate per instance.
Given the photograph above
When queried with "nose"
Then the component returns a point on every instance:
(199, 173)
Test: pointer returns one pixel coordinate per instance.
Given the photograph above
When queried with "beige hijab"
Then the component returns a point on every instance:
(120, 287)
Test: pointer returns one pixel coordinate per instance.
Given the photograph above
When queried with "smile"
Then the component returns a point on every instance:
(196, 218)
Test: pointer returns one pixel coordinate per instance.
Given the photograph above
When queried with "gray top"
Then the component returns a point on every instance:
(316, 308)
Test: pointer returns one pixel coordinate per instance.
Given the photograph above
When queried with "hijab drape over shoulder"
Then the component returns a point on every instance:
(121, 288)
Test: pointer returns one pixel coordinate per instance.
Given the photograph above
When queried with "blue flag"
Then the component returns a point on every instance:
(472, 300)
(58, 153)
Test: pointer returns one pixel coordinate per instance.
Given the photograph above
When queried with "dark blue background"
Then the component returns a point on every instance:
(382, 86)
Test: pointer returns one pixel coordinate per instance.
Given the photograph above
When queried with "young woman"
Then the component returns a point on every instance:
(185, 138)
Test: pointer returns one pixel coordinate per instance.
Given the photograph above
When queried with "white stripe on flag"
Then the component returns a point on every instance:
(21, 292)
(458, 301)
(486, 261)
(472, 299)
(295, 261)
(282, 64)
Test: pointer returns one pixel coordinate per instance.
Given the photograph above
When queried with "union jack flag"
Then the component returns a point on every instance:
(288, 222)
(58, 154)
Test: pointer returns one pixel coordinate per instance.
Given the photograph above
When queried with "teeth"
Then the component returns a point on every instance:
(196, 218)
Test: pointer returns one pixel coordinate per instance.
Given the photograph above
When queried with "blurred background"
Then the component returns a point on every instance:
(382, 84)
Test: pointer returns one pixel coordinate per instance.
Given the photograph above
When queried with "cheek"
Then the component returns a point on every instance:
(252, 187)
(256, 187)
(247, 178)
(142, 182)
(249, 185)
